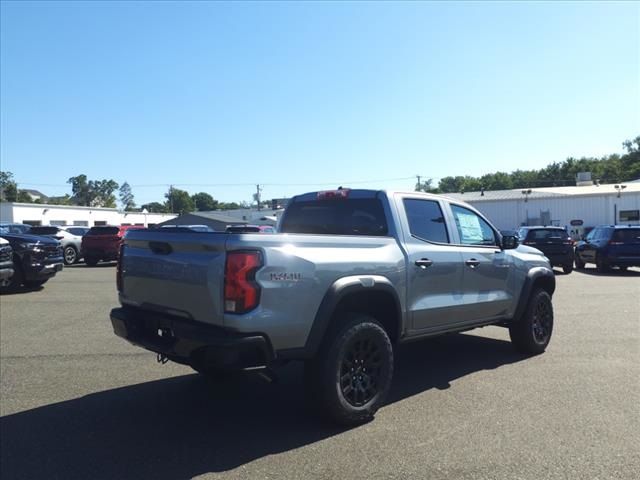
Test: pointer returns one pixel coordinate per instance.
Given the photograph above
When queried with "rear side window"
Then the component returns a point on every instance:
(627, 235)
(43, 230)
(426, 221)
(103, 231)
(76, 231)
(361, 216)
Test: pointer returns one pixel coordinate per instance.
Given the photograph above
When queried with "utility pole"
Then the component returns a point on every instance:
(419, 184)
(258, 190)
(171, 197)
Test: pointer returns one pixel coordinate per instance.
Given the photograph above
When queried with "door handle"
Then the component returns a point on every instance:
(424, 263)
(472, 262)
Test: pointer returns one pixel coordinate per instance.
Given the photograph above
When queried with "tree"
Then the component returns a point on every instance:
(103, 193)
(178, 201)
(126, 197)
(8, 187)
(154, 207)
(93, 193)
(632, 146)
(81, 191)
(24, 197)
(425, 186)
(204, 202)
(64, 200)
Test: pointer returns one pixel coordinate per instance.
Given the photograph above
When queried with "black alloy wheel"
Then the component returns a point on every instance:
(361, 369)
(542, 322)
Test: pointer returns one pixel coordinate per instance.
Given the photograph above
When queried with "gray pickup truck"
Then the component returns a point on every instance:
(350, 274)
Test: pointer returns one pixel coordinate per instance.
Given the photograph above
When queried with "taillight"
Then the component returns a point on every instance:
(341, 193)
(119, 268)
(241, 292)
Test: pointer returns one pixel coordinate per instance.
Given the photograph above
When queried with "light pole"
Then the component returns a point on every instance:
(619, 188)
(526, 194)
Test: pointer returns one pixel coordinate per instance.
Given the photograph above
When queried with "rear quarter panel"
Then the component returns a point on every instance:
(299, 269)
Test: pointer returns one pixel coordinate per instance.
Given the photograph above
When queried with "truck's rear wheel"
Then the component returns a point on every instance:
(351, 375)
(532, 333)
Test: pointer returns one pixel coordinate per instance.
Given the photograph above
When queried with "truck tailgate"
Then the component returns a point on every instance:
(178, 273)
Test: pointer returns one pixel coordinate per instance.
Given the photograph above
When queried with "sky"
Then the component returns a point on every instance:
(220, 97)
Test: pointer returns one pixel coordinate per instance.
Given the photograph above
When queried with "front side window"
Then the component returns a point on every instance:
(472, 228)
(426, 221)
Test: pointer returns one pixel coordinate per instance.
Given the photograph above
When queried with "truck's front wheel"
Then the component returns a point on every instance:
(351, 376)
(531, 333)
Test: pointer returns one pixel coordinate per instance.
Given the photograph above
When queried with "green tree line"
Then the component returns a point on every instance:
(613, 168)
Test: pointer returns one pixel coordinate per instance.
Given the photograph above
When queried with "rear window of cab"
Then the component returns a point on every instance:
(355, 216)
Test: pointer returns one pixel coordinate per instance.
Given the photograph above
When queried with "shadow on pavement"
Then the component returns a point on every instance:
(20, 290)
(185, 426)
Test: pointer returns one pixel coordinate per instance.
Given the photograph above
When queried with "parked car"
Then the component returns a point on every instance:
(36, 259)
(351, 274)
(250, 229)
(554, 242)
(70, 242)
(610, 246)
(14, 228)
(6, 262)
(103, 243)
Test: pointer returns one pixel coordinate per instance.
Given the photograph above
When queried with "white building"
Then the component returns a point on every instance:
(572, 207)
(43, 214)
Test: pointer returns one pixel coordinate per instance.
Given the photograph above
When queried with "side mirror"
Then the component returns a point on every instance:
(509, 242)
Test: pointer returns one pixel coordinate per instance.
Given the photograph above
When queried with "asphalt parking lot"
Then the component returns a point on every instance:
(79, 403)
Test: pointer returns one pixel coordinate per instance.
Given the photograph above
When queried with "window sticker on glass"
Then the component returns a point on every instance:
(470, 229)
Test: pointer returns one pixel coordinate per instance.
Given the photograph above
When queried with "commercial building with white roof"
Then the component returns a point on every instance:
(572, 207)
(43, 214)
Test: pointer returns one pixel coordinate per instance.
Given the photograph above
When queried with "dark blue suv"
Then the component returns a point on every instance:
(610, 246)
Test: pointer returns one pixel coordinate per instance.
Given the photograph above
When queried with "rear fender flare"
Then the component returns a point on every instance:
(338, 291)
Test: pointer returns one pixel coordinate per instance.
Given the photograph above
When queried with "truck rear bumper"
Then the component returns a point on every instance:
(189, 342)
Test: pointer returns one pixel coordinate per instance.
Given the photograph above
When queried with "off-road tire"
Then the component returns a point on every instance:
(532, 333)
(578, 262)
(567, 268)
(350, 377)
(91, 261)
(601, 264)
(17, 279)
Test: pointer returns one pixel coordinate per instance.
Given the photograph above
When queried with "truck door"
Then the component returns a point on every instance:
(434, 270)
(486, 289)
